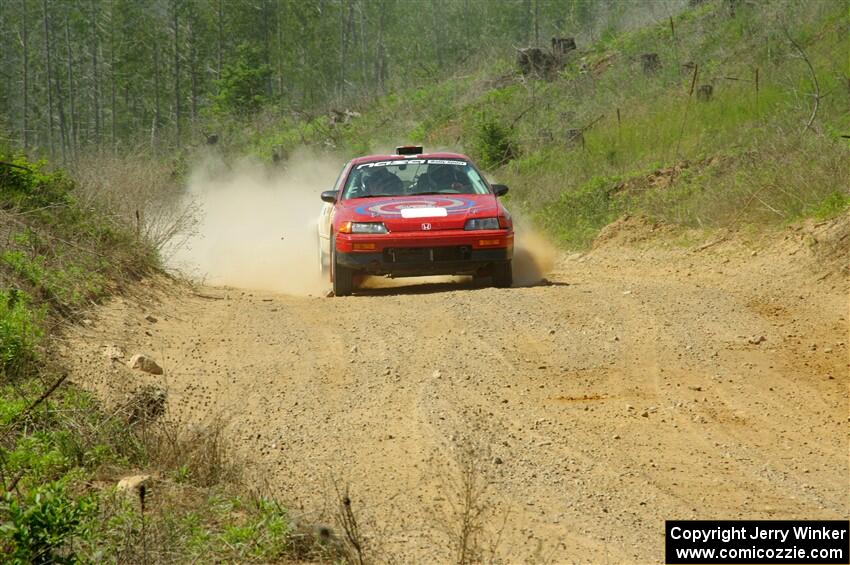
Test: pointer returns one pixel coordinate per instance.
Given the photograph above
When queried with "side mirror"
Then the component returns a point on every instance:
(500, 189)
(329, 196)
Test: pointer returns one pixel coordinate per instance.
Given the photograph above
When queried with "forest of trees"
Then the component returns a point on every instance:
(78, 73)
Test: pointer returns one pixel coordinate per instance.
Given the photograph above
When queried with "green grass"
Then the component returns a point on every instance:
(61, 454)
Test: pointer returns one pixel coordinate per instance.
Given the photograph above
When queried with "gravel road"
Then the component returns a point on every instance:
(646, 381)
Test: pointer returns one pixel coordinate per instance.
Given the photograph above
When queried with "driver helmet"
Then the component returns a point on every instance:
(379, 181)
(443, 176)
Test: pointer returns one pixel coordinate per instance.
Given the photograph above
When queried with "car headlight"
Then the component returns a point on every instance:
(482, 224)
(362, 227)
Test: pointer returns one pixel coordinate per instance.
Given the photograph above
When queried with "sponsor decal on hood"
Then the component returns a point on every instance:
(394, 207)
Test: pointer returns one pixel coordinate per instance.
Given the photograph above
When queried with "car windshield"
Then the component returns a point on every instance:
(405, 177)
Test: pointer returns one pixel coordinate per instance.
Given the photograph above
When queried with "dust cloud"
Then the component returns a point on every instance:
(534, 255)
(257, 224)
(256, 229)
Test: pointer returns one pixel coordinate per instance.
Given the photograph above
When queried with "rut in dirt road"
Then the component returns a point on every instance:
(627, 392)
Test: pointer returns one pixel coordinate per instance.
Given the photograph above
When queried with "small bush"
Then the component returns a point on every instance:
(41, 527)
(577, 216)
(141, 197)
(198, 455)
(493, 144)
(832, 205)
(28, 186)
(20, 332)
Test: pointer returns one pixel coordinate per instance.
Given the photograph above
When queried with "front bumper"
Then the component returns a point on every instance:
(453, 252)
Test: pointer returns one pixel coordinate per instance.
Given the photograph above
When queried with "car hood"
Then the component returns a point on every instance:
(408, 213)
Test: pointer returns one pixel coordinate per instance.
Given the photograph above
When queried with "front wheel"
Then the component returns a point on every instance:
(343, 277)
(503, 274)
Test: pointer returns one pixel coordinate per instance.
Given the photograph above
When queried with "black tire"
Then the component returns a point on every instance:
(343, 277)
(503, 275)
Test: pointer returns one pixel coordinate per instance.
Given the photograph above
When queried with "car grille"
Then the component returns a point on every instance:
(427, 254)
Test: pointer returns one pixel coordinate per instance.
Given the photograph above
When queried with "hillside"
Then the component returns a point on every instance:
(74, 470)
(601, 136)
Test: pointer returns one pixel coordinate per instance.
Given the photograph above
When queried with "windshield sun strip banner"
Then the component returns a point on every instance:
(401, 162)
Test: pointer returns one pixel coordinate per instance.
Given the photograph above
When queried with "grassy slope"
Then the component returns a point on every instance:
(737, 160)
(60, 457)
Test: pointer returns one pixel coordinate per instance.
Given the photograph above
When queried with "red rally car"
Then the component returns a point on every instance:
(414, 214)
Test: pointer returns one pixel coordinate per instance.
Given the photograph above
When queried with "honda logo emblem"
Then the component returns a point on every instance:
(426, 227)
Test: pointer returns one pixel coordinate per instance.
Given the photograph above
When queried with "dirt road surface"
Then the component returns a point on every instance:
(650, 380)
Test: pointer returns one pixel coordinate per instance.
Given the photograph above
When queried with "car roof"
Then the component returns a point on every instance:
(372, 158)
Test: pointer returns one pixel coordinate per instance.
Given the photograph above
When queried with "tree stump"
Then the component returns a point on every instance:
(563, 45)
(705, 92)
(650, 63)
(535, 61)
(575, 137)
(732, 7)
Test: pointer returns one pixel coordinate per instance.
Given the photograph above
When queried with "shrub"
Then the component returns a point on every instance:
(576, 217)
(832, 205)
(27, 186)
(41, 527)
(493, 144)
(20, 332)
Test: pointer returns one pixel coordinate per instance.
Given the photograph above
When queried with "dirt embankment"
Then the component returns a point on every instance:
(647, 381)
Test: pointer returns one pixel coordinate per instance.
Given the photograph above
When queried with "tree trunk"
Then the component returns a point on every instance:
(26, 69)
(156, 109)
(467, 18)
(60, 102)
(95, 73)
(220, 39)
(380, 56)
(341, 83)
(49, 80)
(268, 13)
(193, 65)
(537, 23)
(63, 123)
(435, 9)
(175, 23)
(113, 112)
(73, 123)
(281, 49)
(351, 39)
(364, 47)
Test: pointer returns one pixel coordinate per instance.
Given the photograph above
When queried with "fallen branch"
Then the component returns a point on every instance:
(207, 296)
(25, 412)
(705, 246)
(591, 124)
(18, 476)
(520, 115)
(687, 107)
(14, 166)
